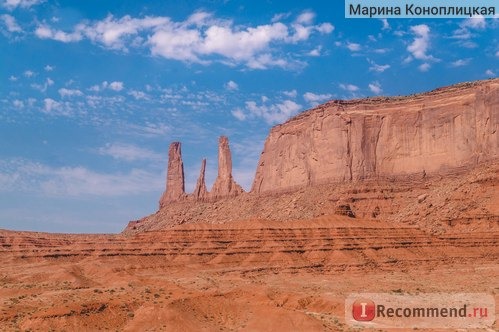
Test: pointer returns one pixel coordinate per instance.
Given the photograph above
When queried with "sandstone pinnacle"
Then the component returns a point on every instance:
(175, 186)
(200, 192)
(224, 185)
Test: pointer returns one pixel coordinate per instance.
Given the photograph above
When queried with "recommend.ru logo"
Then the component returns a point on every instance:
(435, 310)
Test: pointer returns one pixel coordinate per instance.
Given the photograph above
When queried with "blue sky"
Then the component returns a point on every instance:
(92, 92)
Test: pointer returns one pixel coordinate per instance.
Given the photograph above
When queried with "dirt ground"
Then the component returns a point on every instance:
(240, 276)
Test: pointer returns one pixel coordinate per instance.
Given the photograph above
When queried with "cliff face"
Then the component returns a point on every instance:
(435, 132)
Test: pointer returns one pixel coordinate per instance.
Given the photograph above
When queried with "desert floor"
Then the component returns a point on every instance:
(241, 276)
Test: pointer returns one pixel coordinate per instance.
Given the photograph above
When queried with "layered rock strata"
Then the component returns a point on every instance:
(383, 138)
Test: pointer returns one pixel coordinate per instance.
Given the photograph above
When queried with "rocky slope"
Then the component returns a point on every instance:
(383, 138)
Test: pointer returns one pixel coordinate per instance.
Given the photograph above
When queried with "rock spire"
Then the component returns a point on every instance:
(175, 186)
(224, 185)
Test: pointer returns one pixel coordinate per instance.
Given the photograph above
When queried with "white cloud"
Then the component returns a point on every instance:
(375, 88)
(475, 22)
(43, 87)
(51, 106)
(349, 87)
(10, 23)
(386, 25)
(497, 54)
(420, 45)
(424, 67)
(306, 17)
(460, 62)
(279, 17)
(111, 32)
(12, 78)
(44, 32)
(239, 114)
(129, 152)
(69, 92)
(139, 95)
(490, 73)
(354, 47)
(116, 86)
(18, 103)
(94, 88)
(275, 113)
(464, 33)
(201, 38)
(231, 86)
(29, 73)
(316, 51)
(381, 50)
(315, 99)
(325, 28)
(241, 45)
(377, 68)
(291, 94)
(13, 4)
(48, 68)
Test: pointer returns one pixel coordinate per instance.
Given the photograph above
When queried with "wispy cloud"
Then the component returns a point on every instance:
(63, 92)
(78, 181)
(115, 86)
(386, 25)
(375, 87)
(129, 152)
(460, 62)
(10, 23)
(490, 73)
(424, 67)
(349, 87)
(13, 4)
(272, 113)
(29, 73)
(354, 47)
(315, 99)
(467, 30)
(377, 68)
(231, 86)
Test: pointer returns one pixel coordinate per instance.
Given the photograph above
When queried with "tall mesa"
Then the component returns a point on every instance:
(383, 138)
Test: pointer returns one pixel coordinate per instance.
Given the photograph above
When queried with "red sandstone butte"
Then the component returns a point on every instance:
(383, 138)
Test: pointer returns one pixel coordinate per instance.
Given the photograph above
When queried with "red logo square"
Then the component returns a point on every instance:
(363, 310)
